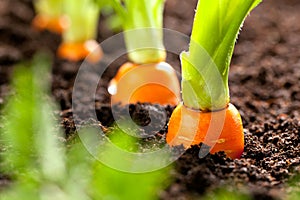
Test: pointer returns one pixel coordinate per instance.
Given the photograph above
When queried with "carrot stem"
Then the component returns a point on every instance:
(142, 24)
(49, 8)
(205, 67)
(83, 16)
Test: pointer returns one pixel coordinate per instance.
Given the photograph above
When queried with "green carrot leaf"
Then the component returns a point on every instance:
(216, 26)
(50, 8)
(83, 16)
(28, 128)
(142, 24)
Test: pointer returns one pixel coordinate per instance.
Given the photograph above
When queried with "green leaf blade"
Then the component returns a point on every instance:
(216, 26)
(142, 25)
(83, 16)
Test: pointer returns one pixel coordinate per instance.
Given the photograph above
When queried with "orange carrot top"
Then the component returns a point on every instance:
(154, 83)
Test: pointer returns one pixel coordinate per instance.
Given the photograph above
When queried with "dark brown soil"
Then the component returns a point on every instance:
(264, 83)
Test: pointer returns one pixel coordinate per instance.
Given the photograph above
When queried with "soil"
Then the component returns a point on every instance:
(264, 84)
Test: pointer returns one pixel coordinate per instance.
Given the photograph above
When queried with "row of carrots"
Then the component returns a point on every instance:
(205, 114)
(75, 21)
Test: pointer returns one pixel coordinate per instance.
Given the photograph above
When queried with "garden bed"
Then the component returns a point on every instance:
(264, 82)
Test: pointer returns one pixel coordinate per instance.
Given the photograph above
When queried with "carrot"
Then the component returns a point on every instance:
(222, 130)
(79, 38)
(206, 115)
(133, 84)
(50, 16)
(146, 78)
(80, 50)
(56, 25)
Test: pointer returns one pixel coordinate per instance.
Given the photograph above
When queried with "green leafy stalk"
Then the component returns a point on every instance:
(27, 126)
(49, 8)
(33, 154)
(205, 67)
(83, 16)
(142, 23)
(116, 184)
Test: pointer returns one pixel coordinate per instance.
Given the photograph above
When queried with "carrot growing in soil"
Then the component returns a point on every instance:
(79, 38)
(50, 16)
(146, 77)
(206, 114)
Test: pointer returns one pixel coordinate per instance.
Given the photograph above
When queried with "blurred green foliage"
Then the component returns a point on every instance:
(226, 194)
(41, 166)
(294, 193)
